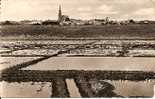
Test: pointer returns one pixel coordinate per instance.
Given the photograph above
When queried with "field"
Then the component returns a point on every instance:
(141, 31)
(77, 61)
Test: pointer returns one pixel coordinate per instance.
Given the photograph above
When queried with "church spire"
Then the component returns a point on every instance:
(59, 14)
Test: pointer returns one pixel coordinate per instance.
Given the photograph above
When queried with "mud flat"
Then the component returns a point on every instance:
(110, 53)
(33, 52)
(99, 47)
(12, 43)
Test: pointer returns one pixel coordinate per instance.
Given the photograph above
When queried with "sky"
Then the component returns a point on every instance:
(79, 9)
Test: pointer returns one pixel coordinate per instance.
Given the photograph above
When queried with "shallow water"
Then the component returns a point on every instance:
(25, 89)
(44, 89)
(95, 63)
(73, 90)
(7, 62)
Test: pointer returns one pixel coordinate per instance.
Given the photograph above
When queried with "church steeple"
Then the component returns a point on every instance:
(59, 14)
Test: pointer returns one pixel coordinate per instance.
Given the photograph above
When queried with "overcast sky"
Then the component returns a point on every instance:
(84, 9)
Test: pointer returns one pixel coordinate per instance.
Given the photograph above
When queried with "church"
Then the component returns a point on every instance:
(62, 19)
(65, 20)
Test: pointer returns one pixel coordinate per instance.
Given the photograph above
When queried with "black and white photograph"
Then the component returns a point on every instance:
(77, 48)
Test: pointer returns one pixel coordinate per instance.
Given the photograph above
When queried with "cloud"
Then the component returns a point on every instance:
(84, 9)
(105, 9)
(145, 11)
(48, 9)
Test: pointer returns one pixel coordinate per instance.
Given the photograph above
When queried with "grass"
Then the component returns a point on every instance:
(87, 90)
(47, 76)
(41, 31)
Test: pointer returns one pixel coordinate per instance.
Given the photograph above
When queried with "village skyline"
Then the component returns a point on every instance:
(63, 19)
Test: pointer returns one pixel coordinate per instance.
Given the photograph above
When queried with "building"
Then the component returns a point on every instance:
(63, 19)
